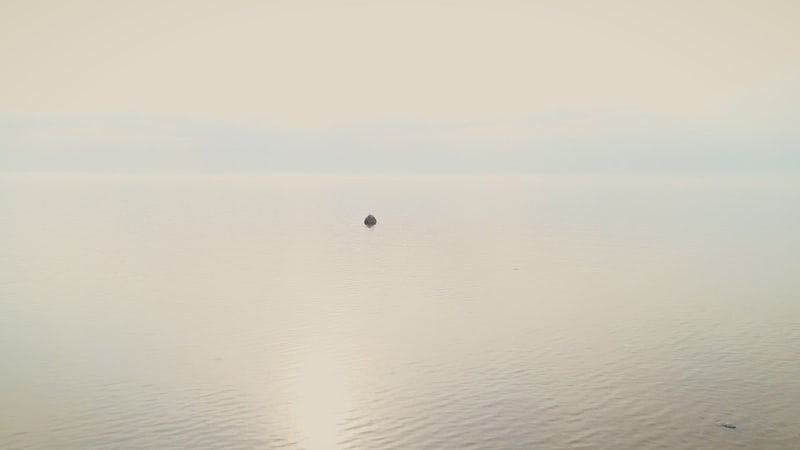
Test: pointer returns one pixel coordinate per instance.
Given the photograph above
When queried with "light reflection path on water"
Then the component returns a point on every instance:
(320, 401)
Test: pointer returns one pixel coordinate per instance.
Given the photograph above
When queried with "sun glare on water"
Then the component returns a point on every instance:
(321, 400)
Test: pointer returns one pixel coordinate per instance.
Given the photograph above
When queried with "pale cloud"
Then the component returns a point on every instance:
(563, 143)
(568, 85)
(310, 63)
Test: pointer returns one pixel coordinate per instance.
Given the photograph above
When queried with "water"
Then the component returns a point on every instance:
(481, 312)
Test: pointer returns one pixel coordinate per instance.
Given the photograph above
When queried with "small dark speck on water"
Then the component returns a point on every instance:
(727, 425)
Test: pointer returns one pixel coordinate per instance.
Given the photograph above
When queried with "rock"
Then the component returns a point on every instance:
(370, 220)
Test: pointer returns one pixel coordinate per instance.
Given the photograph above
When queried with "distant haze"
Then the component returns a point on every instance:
(551, 86)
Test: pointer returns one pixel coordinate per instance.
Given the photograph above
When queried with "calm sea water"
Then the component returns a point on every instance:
(481, 312)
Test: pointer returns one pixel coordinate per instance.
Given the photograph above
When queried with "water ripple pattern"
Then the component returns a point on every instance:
(143, 312)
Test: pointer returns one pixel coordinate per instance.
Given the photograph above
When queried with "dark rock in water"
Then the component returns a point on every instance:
(370, 220)
(727, 425)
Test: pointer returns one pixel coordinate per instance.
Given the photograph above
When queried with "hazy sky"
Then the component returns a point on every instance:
(404, 85)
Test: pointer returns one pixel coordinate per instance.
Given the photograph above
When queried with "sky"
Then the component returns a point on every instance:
(437, 86)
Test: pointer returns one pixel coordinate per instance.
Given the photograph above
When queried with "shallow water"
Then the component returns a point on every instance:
(481, 312)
